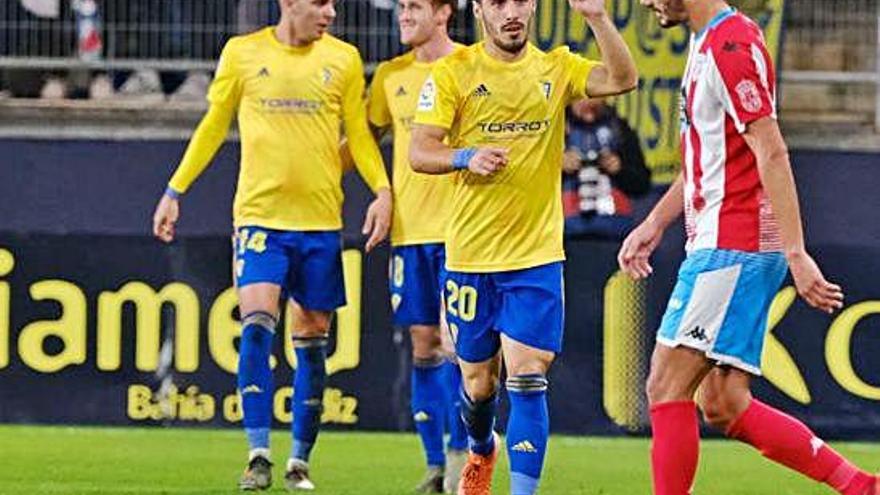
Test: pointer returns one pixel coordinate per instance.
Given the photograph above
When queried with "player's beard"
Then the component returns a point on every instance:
(513, 46)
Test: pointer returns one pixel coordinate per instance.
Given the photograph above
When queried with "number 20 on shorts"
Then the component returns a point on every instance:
(461, 301)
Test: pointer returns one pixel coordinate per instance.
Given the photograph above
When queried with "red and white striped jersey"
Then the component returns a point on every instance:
(729, 82)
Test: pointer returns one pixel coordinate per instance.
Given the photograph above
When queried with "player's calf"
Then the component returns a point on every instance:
(527, 430)
(787, 441)
(429, 414)
(255, 383)
(308, 395)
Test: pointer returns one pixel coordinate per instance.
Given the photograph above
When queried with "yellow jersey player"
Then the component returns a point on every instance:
(292, 86)
(500, 106)
(421, 209)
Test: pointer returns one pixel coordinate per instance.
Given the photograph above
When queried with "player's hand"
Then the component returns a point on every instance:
(635, 252)
(488, 161)
(811, 284)
(377, 222)
(165, 218)
(590, 9)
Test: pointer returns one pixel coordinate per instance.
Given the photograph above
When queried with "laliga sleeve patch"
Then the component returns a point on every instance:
(749, 97)
(428, 96)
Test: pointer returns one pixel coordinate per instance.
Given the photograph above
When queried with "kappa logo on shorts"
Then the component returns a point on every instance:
(698, 333)
(400, 92)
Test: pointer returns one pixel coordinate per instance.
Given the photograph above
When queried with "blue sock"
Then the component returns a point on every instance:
(308, 394)
(458, 438)
(479, 419)
(254, 379)
(527, 431)
(427, 402)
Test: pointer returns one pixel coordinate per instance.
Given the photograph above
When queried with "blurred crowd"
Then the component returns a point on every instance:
(91, 30)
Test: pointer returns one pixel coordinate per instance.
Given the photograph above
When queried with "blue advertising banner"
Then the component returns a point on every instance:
(123, 330)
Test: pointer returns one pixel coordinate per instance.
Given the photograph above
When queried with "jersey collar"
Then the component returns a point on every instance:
(718, 19)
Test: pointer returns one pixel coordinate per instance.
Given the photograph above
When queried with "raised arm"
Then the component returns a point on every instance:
(618, 73)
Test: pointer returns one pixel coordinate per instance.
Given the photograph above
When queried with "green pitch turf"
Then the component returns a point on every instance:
(58, 460)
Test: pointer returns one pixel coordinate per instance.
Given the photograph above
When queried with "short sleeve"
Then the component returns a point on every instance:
(438, 100)
(226, 89)
(377, 105)
(579, 69)
(744, 81)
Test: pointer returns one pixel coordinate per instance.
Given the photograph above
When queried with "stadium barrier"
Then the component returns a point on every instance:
(101, 324)
(172, 34)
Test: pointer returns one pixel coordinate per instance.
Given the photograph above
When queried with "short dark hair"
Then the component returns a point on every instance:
(453, 6)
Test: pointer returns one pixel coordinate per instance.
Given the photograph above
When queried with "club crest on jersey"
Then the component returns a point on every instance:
(749, 97)
(428, 95)
(326, 75)
(548, 88)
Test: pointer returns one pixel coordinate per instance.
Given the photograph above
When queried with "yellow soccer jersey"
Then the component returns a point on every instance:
(291, 102)
(513, 219)
(421, 202)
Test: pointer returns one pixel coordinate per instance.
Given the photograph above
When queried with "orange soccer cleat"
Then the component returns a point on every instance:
(476, 477)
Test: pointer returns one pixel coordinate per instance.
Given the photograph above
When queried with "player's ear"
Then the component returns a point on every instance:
(445, 11)
(478, 9)
(285, 5)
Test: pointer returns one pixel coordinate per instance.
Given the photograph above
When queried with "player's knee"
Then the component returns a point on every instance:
(479, 386)
(257, 330)
(308, 324)
(426, 343)
(718, 414)
(663, 387)
(721, 408)
(656, 388)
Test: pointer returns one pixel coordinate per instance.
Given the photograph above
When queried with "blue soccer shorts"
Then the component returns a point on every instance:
(414, 276)
(525, 305)
(720, 305)
(306, 265)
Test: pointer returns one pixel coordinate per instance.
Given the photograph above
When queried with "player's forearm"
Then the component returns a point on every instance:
(367, 157)
(428, 155)
(670, 206)
(623, 76)
(778, 181)
(207, 139)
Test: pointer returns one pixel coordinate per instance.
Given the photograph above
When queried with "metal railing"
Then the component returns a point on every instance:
(831, 47)
(835, 44)
(176, 34)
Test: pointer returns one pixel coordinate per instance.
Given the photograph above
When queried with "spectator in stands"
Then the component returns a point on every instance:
(603, 168)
